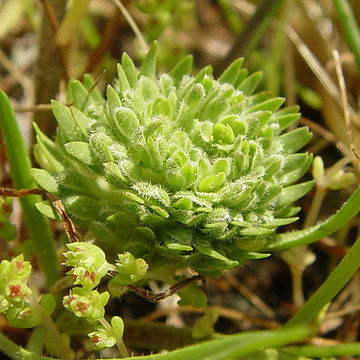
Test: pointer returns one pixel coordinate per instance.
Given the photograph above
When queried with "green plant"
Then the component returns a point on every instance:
(184, 171)
(176, 166)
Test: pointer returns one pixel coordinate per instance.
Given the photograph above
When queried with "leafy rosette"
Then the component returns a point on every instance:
(179, 169)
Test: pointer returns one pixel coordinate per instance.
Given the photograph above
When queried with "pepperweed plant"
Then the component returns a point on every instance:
(177, 169)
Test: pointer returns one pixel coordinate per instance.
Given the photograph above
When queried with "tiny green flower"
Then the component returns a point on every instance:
(83, 254)
(17, 292)
(86, 303)
(16, 269)
(129, 270)
(88, 262)
(13, 277)
(85, 277)
(101, 339)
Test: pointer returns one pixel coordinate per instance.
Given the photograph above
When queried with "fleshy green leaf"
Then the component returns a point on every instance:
(46, 209)
(114, 170)
(269, 105)
(184, 204)
(160, 211)
(287, 119)
(118, 326)
(183, 67)
(100, 147)
(148, 67)
(241, 255)
(257, 231)
(294, 192)
(295, 140)
(223, 134)
(130, 70)
(80, 150)
(231, 74)
(212, 183)
(295, 167)
(45, 180)
(82, 207)
(65, 120)
(81, 96)
(127, 122)
(179, 247)
(89, 84)
(46, 152)
(249, 85)
(123, 81)
(81, 120)
(216, 255)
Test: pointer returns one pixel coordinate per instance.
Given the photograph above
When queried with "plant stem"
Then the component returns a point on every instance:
(302, 254)
(119, 342)
(17, 352)
(132, 24)
(69, 25)
(330, 288)
(350, 28)
(19, 164)
(297, 284)
(54, 338)
(316, 203)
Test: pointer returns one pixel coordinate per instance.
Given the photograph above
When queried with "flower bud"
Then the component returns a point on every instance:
(129, 269)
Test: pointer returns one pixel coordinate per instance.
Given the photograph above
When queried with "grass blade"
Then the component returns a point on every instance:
(252, 33)
(234, 346)
(350, 28)
(330, 288)
(320, 230)
(325, 351)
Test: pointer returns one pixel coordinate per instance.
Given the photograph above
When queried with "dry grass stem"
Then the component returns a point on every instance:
(254, 299)
(132, 24)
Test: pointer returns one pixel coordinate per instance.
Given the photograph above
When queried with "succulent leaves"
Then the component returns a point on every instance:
(176, 166)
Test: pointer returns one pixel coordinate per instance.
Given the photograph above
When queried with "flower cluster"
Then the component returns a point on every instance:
(102, 338)
(13, 285)
(88, 264)
(86, 303)
(15, 294)
(181, 170)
